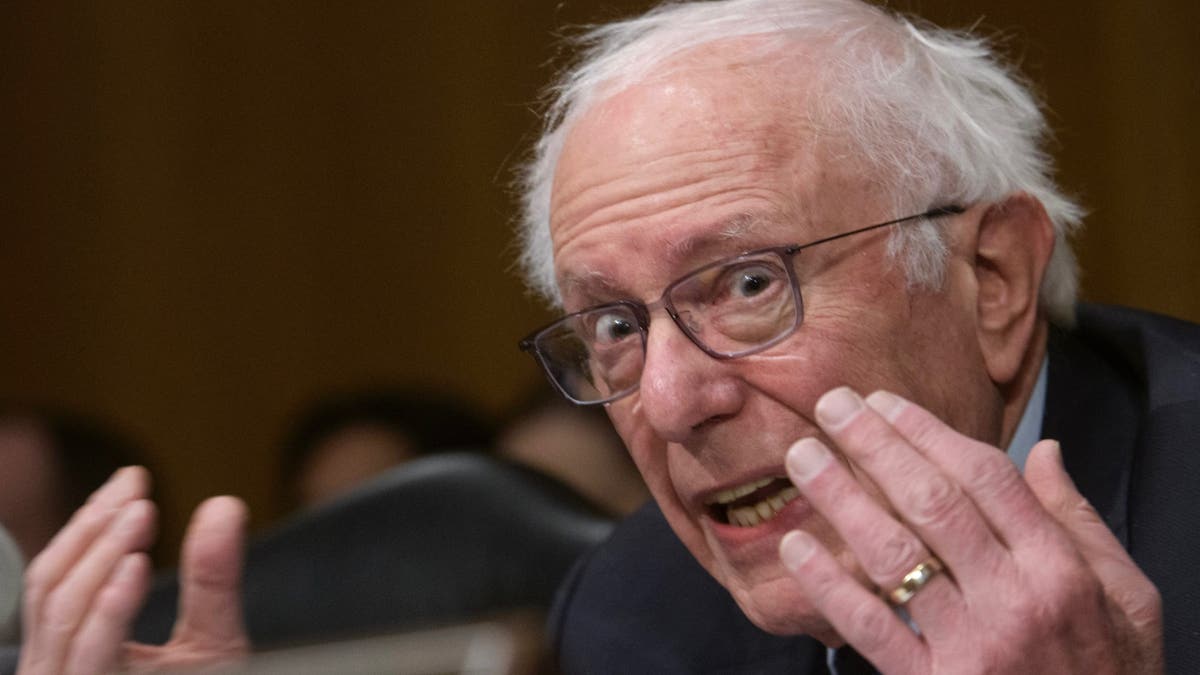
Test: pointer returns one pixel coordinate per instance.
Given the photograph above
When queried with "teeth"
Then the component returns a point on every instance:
(749, 516)
(740, 491)
(745, 517)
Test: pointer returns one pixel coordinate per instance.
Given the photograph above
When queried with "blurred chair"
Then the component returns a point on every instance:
(445, 538)
(12, 567)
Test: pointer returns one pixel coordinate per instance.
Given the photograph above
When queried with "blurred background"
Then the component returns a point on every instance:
(212, 213)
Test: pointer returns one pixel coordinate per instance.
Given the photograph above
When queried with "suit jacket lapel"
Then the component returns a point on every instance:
(1093, 410)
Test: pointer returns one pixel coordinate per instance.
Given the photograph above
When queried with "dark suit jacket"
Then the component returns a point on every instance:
(1123, 398)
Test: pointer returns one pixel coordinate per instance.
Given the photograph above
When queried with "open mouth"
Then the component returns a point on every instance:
(753, 503)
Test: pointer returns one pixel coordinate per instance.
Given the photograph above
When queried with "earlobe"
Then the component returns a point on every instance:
(1012, 249)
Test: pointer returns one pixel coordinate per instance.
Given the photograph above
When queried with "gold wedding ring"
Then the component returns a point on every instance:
(914, 581)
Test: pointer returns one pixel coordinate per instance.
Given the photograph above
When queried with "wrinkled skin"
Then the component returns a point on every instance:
(657, 180)
(1039, 583)
(644, 190)
(706, 161)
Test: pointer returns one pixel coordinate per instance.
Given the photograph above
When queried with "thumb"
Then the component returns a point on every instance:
(210, 595)
(1053, 487)
(1124, 584)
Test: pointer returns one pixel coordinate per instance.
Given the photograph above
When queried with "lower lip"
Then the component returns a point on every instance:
(793, 516)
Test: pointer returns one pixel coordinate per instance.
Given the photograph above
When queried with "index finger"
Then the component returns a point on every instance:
(929, 500)
(984, 472)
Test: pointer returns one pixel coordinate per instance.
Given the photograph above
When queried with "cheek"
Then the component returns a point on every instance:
(828, 352)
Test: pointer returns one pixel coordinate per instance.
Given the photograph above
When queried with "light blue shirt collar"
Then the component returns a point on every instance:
(1029, 429)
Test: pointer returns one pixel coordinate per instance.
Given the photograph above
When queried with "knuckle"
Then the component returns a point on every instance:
(1143, 606)
(57, 616)
(38, 580)
(1074, 589)
(926, 430)
(90, 517)
(867, 443)
(1085, 596)
(1061, 590)
(1037, 614)
(112, 603)
(869, 624)
(820, 580)
(892, 559)
(1081, 511)
(990, 473)
(841, 490)
(933, 499)
(822, 588)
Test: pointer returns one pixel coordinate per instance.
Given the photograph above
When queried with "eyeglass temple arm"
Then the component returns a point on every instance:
(948, 210)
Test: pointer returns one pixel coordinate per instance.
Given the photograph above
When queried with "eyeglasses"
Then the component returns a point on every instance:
(730, 308)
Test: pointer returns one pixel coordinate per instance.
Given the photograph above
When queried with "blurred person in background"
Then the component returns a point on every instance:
(578, 446)
(52, 459)
(345, 438)
(690, 159)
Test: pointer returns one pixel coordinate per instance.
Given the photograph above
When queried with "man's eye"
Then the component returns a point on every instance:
(612, 328)
(751, 281)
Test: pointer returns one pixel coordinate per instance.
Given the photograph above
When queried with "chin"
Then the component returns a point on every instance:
(780, 608)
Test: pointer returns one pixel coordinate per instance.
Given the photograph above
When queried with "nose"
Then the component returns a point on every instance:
(682, 388)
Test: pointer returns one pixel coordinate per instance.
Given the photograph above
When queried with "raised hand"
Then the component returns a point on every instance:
(1030, 581)
(84, 590)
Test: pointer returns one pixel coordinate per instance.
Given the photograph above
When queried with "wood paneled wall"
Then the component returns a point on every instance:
(213, 211)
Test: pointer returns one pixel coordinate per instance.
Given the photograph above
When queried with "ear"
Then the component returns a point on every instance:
(1012, 248)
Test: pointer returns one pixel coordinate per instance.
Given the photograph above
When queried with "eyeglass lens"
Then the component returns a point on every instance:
(729, 309)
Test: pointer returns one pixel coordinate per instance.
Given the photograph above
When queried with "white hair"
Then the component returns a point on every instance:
(933, 112)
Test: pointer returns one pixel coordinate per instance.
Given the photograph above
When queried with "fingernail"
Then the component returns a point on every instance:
(795, 549)
(1056, 453)
(117, 477)
(887, 404)
(1054, 450)
(806, 458)
(124, 477)
(837, 407)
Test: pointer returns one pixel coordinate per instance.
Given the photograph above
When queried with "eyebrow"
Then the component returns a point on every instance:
(731, 229)
(598, 287)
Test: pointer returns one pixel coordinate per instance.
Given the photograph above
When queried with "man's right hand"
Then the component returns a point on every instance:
(84, 590)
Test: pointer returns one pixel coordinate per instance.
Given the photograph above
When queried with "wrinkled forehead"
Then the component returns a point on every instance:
(644, 145)
(704, 96)
(686, 108)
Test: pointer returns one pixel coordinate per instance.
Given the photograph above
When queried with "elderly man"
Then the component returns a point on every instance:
(754, 212)
(815, 267)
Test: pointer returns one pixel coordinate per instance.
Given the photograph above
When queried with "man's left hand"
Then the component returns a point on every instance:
(1032, 579)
